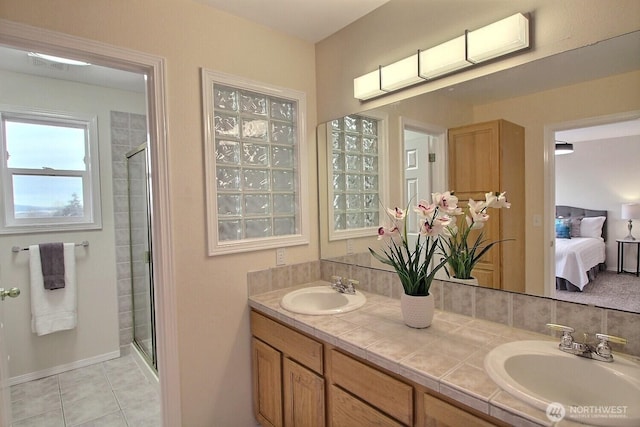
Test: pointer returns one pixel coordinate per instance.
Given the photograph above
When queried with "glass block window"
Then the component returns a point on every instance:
(355, 173)
(50, 170)
(254, 157)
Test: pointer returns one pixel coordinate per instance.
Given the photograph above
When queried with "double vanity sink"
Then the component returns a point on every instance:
(563, 385)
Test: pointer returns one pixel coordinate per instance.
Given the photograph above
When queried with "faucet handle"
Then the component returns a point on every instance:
(603, 350)
(566, 342)
(611, 338)
(351, 285)
(561, 328)
(336, 280)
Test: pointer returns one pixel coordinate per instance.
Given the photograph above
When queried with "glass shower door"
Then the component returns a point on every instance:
(141, 260)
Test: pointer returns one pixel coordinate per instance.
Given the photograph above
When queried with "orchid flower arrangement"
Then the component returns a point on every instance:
(461, 254)
(411, 261)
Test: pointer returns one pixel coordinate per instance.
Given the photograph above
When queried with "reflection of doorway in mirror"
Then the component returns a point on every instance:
(601, 174)
(419, 153)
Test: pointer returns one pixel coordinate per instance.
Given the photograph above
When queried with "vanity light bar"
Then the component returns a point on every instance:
(443, 59)
(497, 39)
(400, 74)
(492, 41)
(368, 85)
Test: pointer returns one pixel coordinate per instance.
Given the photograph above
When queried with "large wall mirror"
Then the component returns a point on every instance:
(593, 85)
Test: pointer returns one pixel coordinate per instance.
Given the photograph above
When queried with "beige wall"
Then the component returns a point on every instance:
(213, 325)
(97, 332)
(401, 27)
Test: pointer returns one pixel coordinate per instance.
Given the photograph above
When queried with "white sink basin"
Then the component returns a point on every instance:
(321, 300)
(593, 392)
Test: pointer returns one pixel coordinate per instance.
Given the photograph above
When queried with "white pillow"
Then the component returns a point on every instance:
(592, 226)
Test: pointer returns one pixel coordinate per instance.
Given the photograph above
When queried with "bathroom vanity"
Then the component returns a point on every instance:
(301, 380)
(366, 367)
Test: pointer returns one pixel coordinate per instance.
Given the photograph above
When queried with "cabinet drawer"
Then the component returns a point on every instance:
(348, 411)
(374, 387)
(442, 414)
(298, 347)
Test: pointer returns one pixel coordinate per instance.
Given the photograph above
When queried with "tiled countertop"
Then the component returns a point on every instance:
(447, 357)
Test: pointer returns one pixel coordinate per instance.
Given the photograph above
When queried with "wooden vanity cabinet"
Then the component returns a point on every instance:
(293, 386)
(288, 369)
(489, 157)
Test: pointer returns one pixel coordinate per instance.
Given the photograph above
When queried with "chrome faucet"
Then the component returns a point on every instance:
(601, 352)
(348, 288)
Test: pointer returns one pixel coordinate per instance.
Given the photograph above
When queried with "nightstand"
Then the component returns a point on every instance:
(621, 244)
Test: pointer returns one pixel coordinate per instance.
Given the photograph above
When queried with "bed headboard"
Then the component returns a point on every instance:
(571, 211)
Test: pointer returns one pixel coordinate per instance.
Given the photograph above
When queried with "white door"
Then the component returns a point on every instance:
(423, 172)
(417, 175)
(417, 178)
(5, 398)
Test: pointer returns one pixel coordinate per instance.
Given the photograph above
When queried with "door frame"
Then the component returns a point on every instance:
(27, 37)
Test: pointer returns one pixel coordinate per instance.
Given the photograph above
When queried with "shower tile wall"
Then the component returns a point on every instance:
(128, 131)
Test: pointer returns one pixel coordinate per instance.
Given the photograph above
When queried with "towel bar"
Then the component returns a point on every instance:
(84, 243)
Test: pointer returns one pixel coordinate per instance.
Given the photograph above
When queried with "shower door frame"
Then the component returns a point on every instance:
(152, 359)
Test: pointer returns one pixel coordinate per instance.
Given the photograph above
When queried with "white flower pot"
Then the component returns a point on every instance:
(417, 311)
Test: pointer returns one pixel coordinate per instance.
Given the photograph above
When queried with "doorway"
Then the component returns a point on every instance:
(599, 174)
(22, 37)
(423, 151)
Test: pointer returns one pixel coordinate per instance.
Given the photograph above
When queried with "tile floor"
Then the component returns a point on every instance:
(115, 393)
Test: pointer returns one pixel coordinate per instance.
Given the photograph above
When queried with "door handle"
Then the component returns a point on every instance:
(13, 293)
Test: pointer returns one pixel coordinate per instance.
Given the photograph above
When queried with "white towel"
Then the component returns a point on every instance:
(53, 310)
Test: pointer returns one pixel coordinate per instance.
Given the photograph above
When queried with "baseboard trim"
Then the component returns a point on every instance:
(63, 368)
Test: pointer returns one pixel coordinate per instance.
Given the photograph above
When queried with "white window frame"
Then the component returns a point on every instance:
(383, 185)
(221, 247)
(92, 218)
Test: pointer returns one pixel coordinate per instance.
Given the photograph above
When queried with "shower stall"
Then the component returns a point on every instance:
(142, 289)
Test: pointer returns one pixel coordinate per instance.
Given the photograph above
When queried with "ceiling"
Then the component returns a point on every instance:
(310, 20)
(19, 61)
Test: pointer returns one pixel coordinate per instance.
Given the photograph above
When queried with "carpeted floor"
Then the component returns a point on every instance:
(610, 290)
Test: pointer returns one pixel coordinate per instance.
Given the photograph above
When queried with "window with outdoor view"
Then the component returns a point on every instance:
(50, 176)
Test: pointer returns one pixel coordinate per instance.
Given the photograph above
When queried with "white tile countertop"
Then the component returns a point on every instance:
(448, 357)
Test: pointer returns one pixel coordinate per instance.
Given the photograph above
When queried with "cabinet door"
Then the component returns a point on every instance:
(438, 413)
(303, 396)
(474, 160)
(474, 170)
(267, 384)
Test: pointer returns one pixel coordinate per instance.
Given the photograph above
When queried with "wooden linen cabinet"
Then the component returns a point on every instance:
(489, 157)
